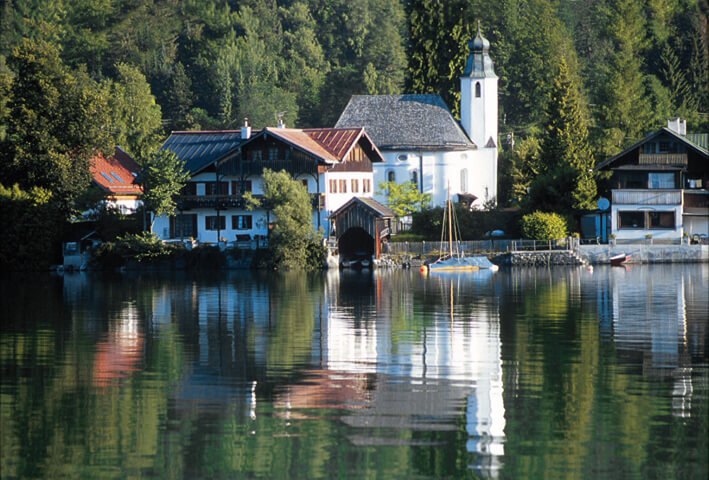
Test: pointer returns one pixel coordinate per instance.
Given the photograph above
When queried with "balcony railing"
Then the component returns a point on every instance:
(647, 197)
(663, 159)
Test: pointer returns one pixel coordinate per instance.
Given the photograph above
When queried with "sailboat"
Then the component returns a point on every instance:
(455, 260)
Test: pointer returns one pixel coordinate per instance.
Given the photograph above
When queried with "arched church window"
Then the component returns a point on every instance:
(391, 176)
(415, 177)
(477, 90)
(464, 180)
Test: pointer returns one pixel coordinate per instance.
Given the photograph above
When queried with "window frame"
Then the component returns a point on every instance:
(209, 223)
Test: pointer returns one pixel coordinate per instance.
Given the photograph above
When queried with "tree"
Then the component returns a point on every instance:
(137, 121)
(404, 198)
(293, 230)
(57, 120)
(163, 176)
(564, 149)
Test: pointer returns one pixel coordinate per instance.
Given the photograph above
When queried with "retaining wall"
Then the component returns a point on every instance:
(600, 254)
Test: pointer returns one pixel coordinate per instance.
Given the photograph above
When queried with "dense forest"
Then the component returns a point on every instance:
(81, 74)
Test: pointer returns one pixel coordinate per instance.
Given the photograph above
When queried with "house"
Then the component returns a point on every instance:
(335, 165)
(115, 176)
(422, 142)
(659, 186)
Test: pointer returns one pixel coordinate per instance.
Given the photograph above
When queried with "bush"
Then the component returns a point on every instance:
(316, 255)
(543, 226)
(205, 256)
(32, 227)
(142, 247)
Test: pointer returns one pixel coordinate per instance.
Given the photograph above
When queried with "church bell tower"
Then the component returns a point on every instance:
(478, 95)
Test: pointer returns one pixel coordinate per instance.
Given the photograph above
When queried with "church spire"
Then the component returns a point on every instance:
(479, 63)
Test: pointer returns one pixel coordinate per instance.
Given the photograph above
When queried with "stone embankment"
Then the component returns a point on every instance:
(640, 253)
(537, 259)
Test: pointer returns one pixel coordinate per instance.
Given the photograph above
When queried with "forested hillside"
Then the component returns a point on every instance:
(210, 63)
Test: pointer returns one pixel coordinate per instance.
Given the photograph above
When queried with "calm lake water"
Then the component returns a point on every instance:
(524, 373)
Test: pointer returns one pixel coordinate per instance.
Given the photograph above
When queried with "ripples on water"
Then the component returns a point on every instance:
(524, 373)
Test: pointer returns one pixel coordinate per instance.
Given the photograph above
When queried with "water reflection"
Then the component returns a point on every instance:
(522, 373)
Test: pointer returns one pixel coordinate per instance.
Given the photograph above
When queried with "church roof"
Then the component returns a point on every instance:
(479, 64)
(403, 122)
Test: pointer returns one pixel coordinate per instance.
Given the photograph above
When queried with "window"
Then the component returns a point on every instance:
(631, 220)
(110, 180)
(661, 180)
(210, 222)
(117, 177)
(402, 158)
(661, 220)
(333, 186)
(240, 187)
(366, 186)
(272, 153)
(343, 186)
(190, 188)
(355, 186)
(415, 177)
(184, 225)
(464, 180)
(305, 184)
(630, 180)
(241, 222)
(257, 155)
(211, 188)
(477, 90)
(391, 176)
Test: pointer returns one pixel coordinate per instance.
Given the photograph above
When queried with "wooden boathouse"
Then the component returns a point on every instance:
(361, 226)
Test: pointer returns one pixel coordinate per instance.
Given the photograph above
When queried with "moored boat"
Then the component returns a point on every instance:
(618, 260)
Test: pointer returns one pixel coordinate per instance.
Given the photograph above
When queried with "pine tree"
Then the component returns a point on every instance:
(565, 154)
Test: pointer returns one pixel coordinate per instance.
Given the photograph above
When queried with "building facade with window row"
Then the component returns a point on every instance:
(659, 186)
(334, 165)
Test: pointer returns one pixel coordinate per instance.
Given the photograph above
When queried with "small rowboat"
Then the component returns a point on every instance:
(618, 260)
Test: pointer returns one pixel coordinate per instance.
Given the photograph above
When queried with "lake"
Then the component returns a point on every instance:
(521, 373)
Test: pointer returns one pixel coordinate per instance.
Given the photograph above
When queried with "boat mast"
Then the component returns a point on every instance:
(450, 222)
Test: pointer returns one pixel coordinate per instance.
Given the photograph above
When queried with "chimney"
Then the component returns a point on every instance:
(677, 125)
(246, 130)
(281, 123)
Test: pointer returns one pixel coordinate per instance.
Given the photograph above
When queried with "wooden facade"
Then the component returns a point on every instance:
(366, 214)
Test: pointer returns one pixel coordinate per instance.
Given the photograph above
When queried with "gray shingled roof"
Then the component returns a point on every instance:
(400, 122)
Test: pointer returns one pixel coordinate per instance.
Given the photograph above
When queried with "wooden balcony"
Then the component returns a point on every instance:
(663, 159)
(647, 197)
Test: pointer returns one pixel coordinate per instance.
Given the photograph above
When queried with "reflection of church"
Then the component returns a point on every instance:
(422, 383)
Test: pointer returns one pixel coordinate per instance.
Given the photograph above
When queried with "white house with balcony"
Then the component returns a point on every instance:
(659, 186)
(334, 164)
(422, 142)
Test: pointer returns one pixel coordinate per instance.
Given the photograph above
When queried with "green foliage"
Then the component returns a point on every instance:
(56, 120)
(143, 247)
(32, 229)
(404, 198)
(137, 122)
(543, 226)
(290, 241)
(473, 224)
(162, 177)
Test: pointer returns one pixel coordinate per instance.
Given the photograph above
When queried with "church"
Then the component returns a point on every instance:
(422, 142)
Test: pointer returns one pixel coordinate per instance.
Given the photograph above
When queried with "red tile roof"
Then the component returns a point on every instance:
(116, 174)
(330, 144)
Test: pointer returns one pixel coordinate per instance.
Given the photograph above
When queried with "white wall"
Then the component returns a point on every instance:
(441, 171)
(639, 234)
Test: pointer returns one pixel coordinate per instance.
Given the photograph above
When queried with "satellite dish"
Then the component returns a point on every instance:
(603, 204)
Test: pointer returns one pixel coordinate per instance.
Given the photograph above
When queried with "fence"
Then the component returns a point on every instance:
(480, 246)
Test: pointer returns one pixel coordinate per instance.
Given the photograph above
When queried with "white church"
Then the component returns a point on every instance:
(421, 141)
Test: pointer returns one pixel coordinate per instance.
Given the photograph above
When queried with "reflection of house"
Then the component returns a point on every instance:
(422, 142)
(115, 177)
(335, 165)
(660, 185)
